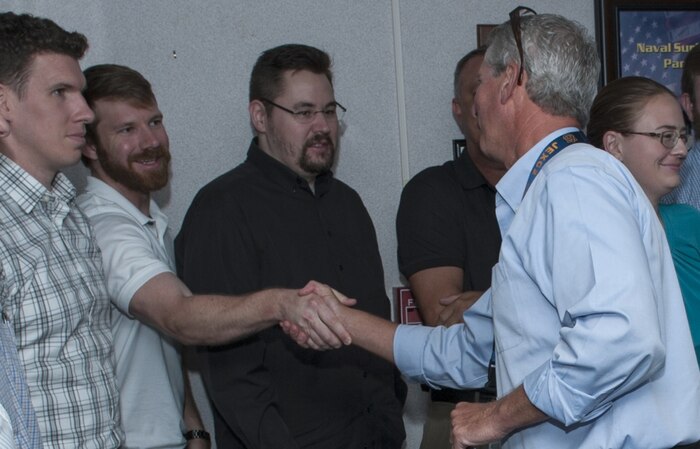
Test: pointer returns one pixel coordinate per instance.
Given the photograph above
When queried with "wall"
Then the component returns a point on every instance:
(393, 71)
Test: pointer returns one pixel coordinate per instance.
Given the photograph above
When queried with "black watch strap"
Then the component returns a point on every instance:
(197, 434)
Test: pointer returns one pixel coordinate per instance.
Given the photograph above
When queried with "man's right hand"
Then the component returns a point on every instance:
(454, 307)
(313, 320)
(475, 424)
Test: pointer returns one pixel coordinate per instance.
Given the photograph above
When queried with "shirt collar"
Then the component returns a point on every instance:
(279, 173)
(108, 193)
(511, 187)
(468, 175)
(27, 191)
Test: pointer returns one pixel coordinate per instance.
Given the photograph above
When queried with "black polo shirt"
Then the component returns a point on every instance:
(260, 226)
(447, 217)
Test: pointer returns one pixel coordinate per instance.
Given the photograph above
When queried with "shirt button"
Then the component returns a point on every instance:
(340, 267)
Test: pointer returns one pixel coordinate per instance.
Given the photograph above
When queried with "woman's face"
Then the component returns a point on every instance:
(655, 167)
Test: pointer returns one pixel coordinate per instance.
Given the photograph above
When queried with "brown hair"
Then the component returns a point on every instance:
(266, 79)
(117, 82)
(114, 82)
(24, 36)
(620, 104)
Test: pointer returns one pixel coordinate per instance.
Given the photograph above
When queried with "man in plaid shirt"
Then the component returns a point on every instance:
(52, 289)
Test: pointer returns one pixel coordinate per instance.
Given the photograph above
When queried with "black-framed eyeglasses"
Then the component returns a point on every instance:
(668, 139)
(515, 16)
(333, 112)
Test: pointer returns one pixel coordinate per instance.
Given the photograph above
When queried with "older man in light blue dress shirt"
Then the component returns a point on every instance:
(584, 317)
(586, 310)
(592, 345)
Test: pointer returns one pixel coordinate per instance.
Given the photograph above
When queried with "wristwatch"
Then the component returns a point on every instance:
(197, 434)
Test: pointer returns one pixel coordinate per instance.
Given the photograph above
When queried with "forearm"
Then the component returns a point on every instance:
(429, 305)
(515, 411)
(431, 285)
(167, 304)
(216, 319)
(190, 413)
(370, 332)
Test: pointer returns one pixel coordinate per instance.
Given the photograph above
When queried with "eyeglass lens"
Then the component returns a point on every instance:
(669, 139)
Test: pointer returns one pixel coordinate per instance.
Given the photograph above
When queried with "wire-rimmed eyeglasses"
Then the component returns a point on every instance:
(668, 139)
(333, 112)
(517, 34)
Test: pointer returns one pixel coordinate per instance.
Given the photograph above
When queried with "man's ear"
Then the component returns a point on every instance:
(5, 92)
(456, 110)
(258, 115)
(612, 143)
(510, 82)
(89, 150)
(687, 105)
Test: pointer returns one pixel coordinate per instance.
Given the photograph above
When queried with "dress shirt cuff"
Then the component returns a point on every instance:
(555, 398)
(441, 357)
(409, 341)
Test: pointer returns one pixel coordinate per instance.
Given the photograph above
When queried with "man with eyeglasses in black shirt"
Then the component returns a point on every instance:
(280, 219)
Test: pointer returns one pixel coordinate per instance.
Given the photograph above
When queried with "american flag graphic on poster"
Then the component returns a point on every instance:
(654, 44)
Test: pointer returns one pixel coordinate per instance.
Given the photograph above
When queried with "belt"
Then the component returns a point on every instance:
(455, 396)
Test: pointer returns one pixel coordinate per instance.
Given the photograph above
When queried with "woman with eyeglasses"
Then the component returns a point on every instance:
(640, 123)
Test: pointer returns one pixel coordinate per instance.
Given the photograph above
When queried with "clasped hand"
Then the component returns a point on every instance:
(313, 320)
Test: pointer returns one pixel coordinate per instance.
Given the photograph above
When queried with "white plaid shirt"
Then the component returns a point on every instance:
(53, 291)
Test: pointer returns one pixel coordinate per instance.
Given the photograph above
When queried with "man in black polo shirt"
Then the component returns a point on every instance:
(449, 240)
(281, 219)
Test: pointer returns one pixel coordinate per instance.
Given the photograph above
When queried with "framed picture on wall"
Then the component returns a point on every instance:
(482, 33)
(646, 38)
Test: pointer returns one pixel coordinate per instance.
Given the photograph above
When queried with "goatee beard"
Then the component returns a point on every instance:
(323, 163)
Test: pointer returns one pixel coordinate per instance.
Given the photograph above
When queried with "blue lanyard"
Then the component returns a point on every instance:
(551, 150)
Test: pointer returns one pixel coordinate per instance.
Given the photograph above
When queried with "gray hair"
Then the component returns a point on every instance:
(561, 63)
